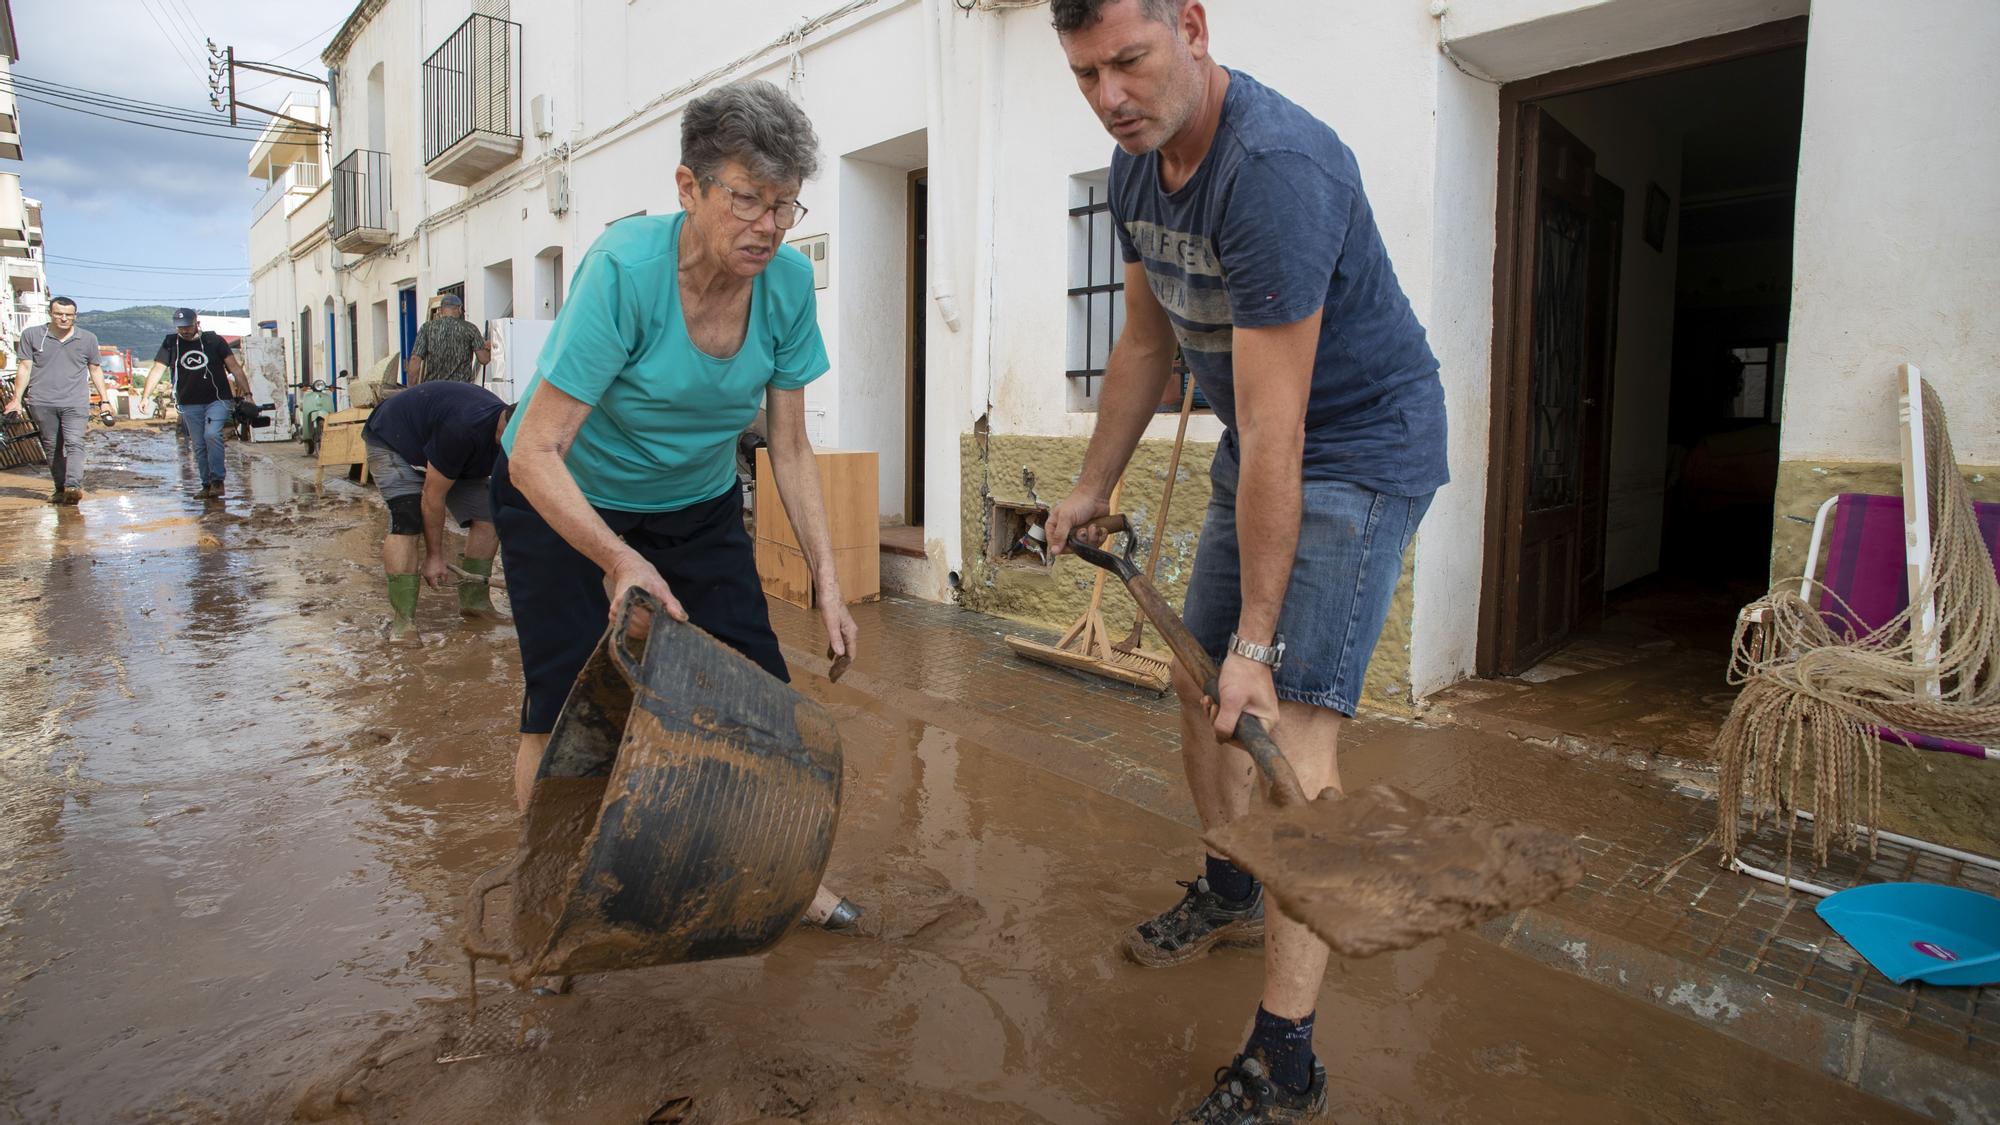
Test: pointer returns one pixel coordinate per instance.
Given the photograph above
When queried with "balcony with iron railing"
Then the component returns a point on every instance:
(293, 184)
(363, 219)
(23, 275)
(472, 102)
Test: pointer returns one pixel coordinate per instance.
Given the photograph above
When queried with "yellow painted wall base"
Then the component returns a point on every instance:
(1804, 485)
(1016, 469)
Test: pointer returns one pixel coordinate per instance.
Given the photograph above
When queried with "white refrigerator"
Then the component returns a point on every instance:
(517, 343)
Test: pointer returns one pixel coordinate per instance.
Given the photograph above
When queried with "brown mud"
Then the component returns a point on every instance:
(1378, 870)
(237, 825)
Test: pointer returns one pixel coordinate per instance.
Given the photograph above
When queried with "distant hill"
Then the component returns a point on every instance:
(141, 327)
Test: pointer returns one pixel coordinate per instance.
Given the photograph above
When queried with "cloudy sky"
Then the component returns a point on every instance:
(148, 200)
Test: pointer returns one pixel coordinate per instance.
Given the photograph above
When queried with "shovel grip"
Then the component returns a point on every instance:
(1263, 749)
(1250, 732)
(627, 662)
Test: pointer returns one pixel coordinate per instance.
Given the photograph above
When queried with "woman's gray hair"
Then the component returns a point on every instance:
(755, 124)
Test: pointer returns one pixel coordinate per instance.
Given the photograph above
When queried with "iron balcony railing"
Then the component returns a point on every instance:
(472, 85)
(361, 192)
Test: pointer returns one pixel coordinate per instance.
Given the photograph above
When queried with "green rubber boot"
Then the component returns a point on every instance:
(475, 597)
(402, 604)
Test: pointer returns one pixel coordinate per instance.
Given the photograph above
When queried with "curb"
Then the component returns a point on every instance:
(1849, 1046)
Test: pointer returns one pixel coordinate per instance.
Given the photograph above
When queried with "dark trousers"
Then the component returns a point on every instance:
(62, 438)
(561, 609)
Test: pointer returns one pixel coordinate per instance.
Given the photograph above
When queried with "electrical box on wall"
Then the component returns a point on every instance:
(557, 183)
(814, 248)
(541, 115)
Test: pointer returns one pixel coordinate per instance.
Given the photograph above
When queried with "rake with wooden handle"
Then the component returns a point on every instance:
(1131, 642)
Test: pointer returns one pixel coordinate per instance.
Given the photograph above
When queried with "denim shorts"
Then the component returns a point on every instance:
(467, 500)
(1344, 575)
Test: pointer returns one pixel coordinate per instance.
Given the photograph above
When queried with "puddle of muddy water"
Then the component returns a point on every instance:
(235, 835)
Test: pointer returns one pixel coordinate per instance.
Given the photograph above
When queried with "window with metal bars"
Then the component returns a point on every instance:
(1096, 294)
(1096, 288)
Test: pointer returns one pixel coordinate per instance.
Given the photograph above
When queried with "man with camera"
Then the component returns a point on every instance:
(59, 366)
(208, 382)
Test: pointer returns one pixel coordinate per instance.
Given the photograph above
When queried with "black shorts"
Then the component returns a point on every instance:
(560, 607)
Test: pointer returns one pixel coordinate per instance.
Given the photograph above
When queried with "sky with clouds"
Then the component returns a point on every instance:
(149, 200)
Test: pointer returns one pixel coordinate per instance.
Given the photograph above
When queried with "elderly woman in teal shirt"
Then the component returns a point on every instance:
(619, 469)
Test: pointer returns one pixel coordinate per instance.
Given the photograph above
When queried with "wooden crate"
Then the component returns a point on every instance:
(786, 576)
(848, 482)
(340, 444)
(848, 485)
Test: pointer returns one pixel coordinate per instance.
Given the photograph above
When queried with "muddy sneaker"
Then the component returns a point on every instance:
(72, 496)
(1198, 923)
(1245, 1095)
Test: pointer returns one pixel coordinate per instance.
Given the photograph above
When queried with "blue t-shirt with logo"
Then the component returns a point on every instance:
(665, 415)
(1272, 226)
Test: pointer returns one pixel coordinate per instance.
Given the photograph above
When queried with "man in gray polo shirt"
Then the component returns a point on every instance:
(59, 366)
(446, 346)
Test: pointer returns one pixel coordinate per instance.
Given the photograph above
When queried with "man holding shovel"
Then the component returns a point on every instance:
(1251, 248)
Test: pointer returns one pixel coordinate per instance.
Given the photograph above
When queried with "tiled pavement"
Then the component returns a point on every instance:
(1742, 955)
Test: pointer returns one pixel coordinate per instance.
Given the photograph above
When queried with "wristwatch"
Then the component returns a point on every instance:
(1272, 654)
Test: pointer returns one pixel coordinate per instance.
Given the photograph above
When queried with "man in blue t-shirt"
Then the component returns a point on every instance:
(431, 449)
(1250, 249)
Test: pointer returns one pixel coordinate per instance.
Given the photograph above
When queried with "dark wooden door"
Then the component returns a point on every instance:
(1607, 234)
(1555, 381)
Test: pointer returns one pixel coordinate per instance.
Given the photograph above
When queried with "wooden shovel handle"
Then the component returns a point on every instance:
(1250, 733)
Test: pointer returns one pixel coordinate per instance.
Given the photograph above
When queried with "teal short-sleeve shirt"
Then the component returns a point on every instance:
(664, 414)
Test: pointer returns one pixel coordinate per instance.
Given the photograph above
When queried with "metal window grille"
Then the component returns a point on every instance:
(1097, 293)
(472, 84)
(361, 192)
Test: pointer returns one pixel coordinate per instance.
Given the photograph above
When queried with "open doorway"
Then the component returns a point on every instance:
(1644, 281)
(877, 275)
(915, 335)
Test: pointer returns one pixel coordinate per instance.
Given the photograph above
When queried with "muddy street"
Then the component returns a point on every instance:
(237, 824)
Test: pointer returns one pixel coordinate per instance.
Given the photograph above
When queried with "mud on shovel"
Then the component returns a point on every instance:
(1371, 872)
(684, 810)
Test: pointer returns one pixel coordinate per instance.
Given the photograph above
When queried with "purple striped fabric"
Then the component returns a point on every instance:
(1866, 568)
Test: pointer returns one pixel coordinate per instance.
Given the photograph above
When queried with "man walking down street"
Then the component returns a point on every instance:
(59, 366)
(431, 449)
(208, 378)
(1251, 248)
(446, 346)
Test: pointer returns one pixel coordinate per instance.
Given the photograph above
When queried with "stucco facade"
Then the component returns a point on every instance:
(982, 103)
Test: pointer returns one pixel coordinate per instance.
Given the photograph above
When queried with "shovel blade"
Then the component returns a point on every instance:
(1379, 871)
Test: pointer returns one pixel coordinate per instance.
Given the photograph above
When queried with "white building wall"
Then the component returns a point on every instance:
(1450, 548)
(1897, 255)
(1007, 131)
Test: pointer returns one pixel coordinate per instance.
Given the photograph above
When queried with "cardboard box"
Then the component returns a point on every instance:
(785, 575)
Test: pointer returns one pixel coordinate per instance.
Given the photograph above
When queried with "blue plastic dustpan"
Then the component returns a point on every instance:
(1920, 931)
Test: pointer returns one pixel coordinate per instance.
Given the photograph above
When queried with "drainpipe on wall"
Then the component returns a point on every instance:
(984, 197)
(943, 290)
(333, 130)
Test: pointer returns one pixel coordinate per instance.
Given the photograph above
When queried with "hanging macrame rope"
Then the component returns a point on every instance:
(1801, 734)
